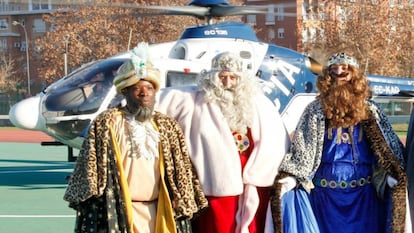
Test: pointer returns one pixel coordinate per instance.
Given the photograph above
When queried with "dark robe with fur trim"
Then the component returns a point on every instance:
(94, 189)
(305, 155)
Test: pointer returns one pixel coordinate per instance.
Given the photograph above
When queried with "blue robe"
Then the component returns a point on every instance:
(313, 157)
(344, 199)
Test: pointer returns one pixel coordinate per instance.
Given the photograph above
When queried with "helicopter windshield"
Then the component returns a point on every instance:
(175, 78)
(82, 92)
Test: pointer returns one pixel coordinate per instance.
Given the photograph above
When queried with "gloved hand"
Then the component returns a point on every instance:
(391, 181)
(288, 183)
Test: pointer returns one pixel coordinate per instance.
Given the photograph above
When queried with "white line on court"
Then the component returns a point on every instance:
(37, 170)
(37, 216)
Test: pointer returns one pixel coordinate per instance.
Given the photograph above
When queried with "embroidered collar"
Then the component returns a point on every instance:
(144, 138)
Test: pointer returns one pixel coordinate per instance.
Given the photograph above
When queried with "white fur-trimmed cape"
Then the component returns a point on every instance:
(214, 152)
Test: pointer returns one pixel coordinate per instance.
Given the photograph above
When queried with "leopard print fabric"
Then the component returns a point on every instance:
(91, 172)
(392, 166)
(306, 148)
(391, 138)
(89, 177)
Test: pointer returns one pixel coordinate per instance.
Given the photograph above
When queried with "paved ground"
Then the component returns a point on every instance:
(19, 135)
(32, 184)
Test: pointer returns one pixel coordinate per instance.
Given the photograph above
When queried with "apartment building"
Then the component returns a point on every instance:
(21, 24)
(279, 24)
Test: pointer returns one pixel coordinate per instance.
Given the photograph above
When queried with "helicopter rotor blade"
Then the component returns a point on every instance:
(194, 9)
(213, 11)
(236, 10)
(174, 10)
(245, 10)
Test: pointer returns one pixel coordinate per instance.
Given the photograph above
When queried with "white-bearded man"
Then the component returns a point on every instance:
(236, 140)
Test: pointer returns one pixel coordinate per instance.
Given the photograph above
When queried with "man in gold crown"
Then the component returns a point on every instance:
(236, 141)
(344, 171)
(134, 173)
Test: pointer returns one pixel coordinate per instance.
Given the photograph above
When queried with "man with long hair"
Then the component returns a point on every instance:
(345, 164)
(236, 140)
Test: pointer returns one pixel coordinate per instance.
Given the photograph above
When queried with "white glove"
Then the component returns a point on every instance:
(288, 183)
(391, 181)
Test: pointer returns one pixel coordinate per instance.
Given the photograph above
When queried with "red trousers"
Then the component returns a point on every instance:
(220, 217)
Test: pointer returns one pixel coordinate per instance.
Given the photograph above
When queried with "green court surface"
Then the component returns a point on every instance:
(32, 184)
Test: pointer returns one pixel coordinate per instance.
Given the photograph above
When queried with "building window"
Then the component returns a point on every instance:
(23, 46)
(251, 19)
(280, 13)
(271, 34)
(3, 44)
(39, 25)
(280, 33)
(270, 15)
(4, 24)
(4, 5)
(40, 5)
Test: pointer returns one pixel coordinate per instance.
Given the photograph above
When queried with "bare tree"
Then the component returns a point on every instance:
(91, 32)
(380, 35)
(11, 89)
(8, 79)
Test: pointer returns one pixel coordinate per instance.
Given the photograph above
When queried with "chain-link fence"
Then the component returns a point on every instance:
(6, 102)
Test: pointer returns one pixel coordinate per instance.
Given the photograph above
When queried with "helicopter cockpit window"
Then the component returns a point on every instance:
(83, 91)
(95, 92)
(178, 52)
(81, 98)
(80, 93)
(180, 79)
(245, 54)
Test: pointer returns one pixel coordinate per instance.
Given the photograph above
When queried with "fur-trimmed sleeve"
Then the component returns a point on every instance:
(89, 174)
(388, 132)
(306, 149)
(184, 186)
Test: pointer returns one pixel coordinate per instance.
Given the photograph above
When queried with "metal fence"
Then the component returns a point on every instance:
(398, 109)
(6, 102)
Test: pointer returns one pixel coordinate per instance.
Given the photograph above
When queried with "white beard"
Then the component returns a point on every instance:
(235, 104)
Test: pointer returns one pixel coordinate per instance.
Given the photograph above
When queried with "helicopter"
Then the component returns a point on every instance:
(65, 109)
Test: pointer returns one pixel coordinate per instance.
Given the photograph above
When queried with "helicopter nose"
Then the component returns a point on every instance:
(26, 115)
